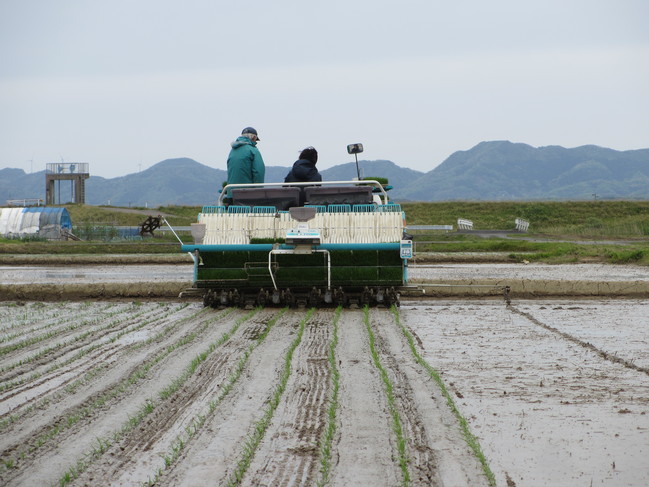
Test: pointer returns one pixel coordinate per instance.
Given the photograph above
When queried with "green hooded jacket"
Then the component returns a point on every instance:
(245, 164)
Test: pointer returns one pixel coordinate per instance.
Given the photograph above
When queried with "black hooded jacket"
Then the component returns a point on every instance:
(303, 171)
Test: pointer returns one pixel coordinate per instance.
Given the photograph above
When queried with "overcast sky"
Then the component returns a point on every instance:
(124, 84)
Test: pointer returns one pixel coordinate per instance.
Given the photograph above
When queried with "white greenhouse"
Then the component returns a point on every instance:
(44, 222)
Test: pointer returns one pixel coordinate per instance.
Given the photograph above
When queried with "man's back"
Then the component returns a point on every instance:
(245, 164)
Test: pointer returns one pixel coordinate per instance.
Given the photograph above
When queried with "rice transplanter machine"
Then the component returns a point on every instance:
(300, 244)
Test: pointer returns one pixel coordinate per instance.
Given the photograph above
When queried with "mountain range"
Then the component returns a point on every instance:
(490, 171)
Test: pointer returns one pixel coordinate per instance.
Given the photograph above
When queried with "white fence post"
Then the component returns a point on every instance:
(463, 224)
(522, 225)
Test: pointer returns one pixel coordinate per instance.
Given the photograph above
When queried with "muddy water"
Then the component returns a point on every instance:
(556, 391)
(77, 281)
(581, 272)
(430, 273)
(49, 274)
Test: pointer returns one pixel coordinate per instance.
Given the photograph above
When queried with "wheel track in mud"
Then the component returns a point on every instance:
(283, 462)
(584, 344)
(289, 453)
(422, 461)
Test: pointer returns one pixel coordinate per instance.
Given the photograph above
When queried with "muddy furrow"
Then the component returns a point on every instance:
(289, 453)
(54, 439)
(364, 449)
(212, 456)
(437, 452)
(139, 455)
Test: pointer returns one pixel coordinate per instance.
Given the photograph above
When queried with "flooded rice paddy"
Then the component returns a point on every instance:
(438, 392)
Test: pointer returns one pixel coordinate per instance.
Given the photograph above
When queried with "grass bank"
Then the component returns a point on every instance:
(559, 232)
(574, 219)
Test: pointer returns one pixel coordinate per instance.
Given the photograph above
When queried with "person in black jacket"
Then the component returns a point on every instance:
(304, 169)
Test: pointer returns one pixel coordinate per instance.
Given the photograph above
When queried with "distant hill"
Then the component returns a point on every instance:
(181, 181)
(496, 170)
(171, 182)
(398, 177)
(502, 170)
(16, 184)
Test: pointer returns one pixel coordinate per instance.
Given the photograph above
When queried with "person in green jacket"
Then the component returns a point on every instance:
(245, 164)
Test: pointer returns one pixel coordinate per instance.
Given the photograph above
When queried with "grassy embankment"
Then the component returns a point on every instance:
(559, 232)
(575, 230)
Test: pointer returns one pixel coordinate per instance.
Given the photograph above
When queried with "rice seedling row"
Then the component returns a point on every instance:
(471, 440)
(175, 406)
(178, 445)
(191, 395)
(291, 450)
(326, 443)
(52, 351)
(72, 416)
(98, 367)
(17, 316)
(402, 456)
(35, 320)
(129, 371)
(79, 356)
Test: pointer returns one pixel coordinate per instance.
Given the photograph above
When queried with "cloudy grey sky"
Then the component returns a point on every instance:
(124, 84)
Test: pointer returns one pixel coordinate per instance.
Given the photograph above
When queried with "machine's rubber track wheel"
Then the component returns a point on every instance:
(289, 298)
(392, 297)
(262, 297)
(366, 296)
(340, 298)
(208, 298)
(315, 297)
